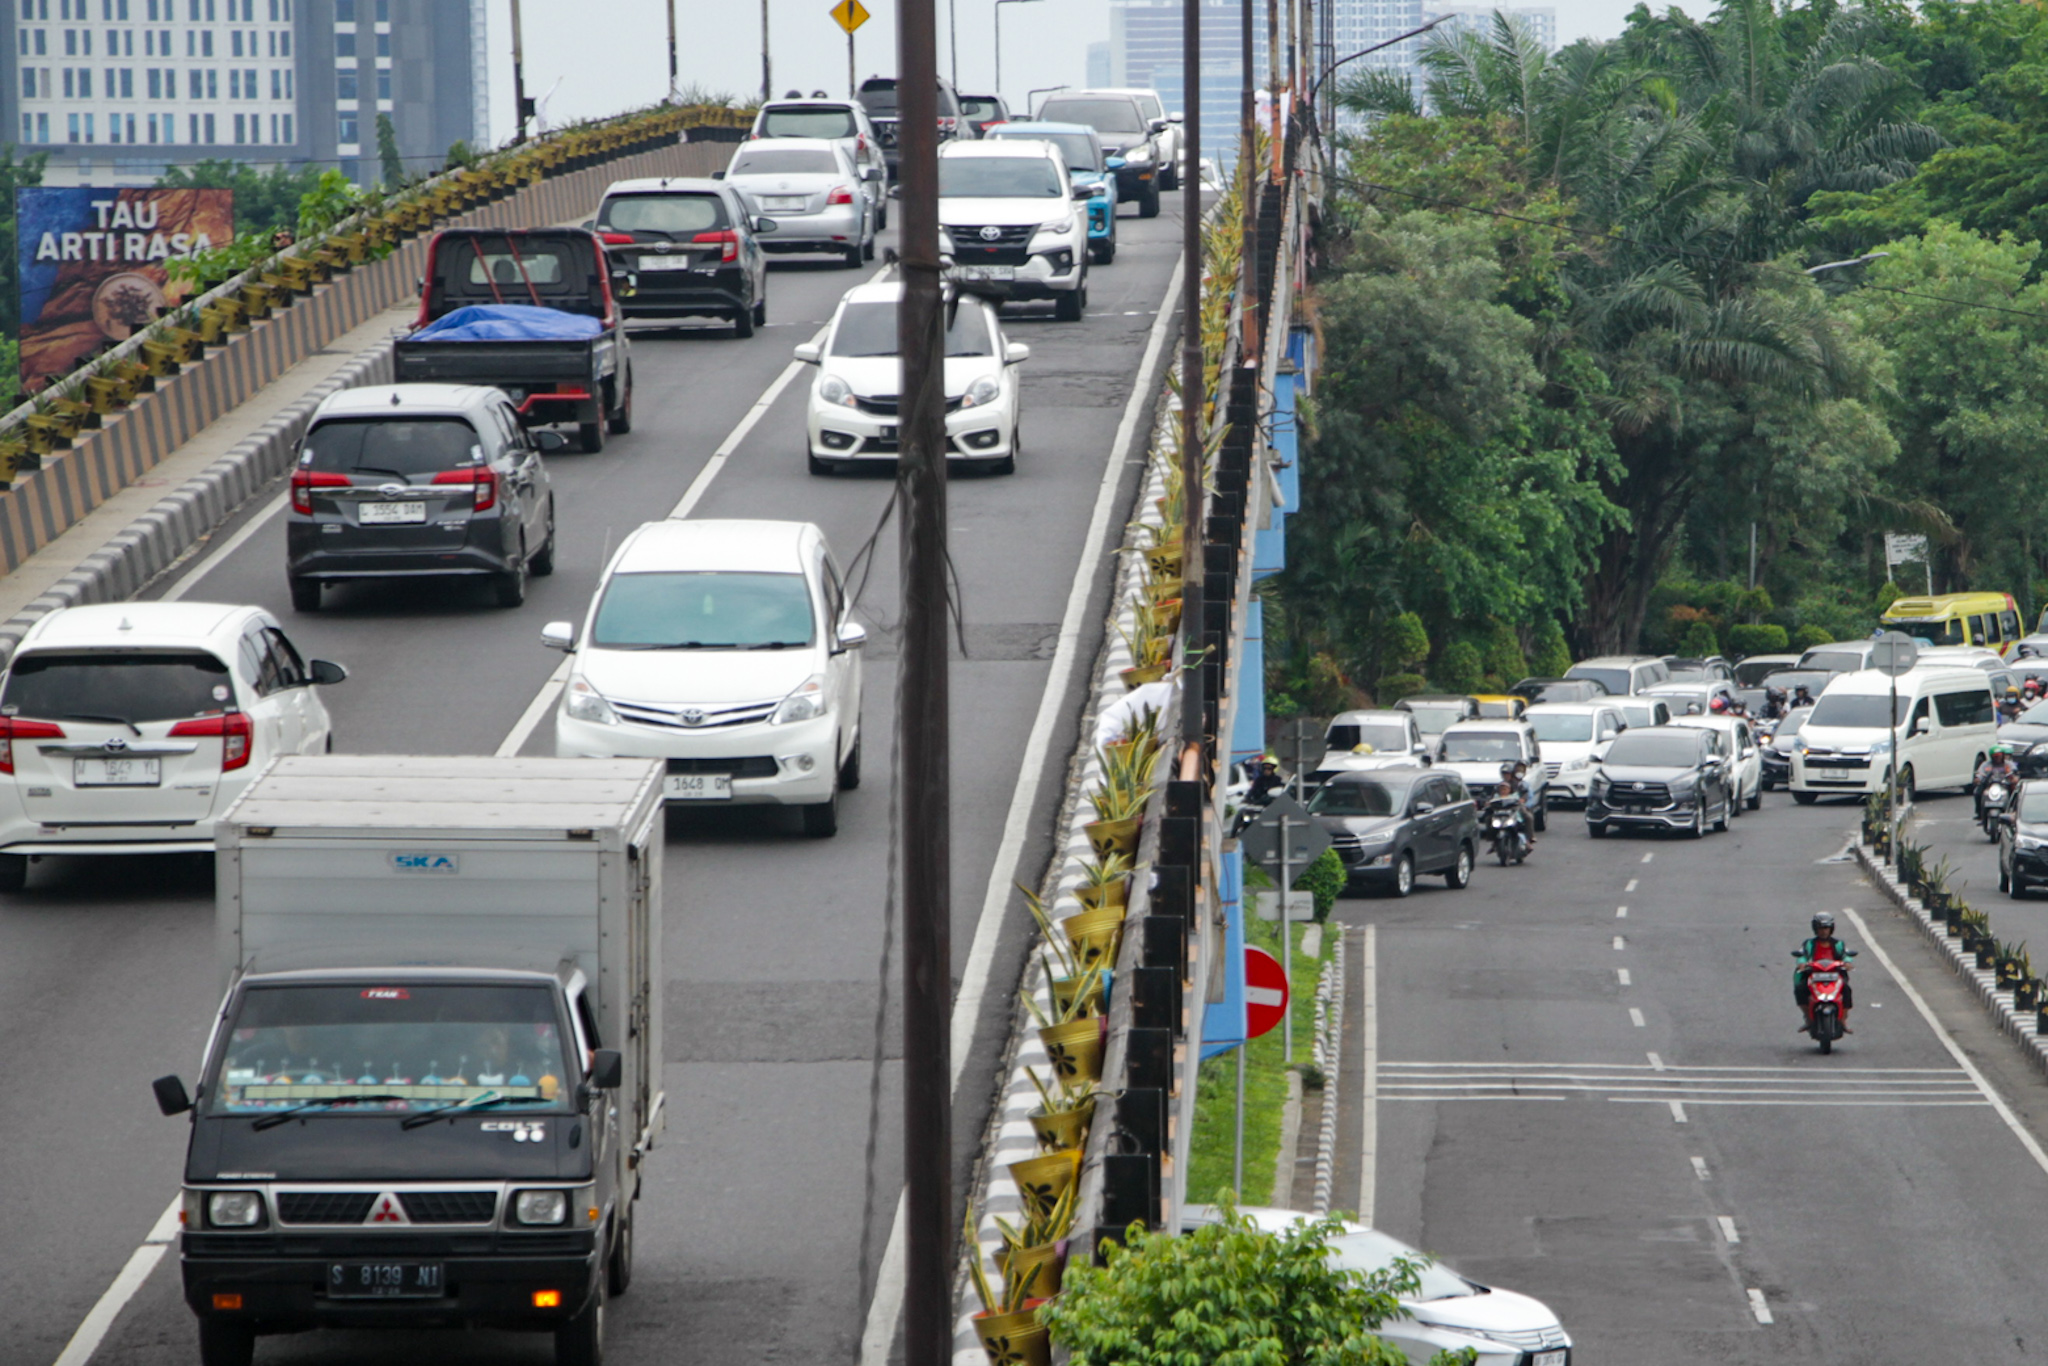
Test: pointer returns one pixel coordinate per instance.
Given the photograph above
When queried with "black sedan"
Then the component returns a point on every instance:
(2026, 736)
(2023, 841)
(1669, 778)
(1778, 749)
(1390, 824)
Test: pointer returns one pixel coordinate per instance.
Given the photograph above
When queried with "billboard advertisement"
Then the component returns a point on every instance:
(91, 265)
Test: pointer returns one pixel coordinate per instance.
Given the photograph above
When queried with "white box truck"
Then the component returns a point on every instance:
(437, 1068)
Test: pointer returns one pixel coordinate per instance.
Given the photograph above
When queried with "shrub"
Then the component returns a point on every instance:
(1699, 640)
(1887, 595)
(1502, 656)
(1394, 687)
(1325, 878)
(1405, 643)
(1746, 639)
(1459, 667)
(1806, 637)
(1550, 655)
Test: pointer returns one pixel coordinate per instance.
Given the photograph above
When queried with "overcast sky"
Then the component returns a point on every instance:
(597, 68)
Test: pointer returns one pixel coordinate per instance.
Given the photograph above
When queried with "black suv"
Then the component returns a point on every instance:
(2023, 841)
(1662, 778)
(1131, 140)
(691, 249)
(1389, 824)
(878, 97)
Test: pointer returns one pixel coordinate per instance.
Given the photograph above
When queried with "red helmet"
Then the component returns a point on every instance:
(1719, 704)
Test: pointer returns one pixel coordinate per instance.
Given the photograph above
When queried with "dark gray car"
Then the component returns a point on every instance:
(1663, 778)
(420, 480)
(1389, 825)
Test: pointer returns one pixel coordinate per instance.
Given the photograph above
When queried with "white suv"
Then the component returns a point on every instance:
(1007, 216)
(1573, 735)
(728, 649)
(127, 728)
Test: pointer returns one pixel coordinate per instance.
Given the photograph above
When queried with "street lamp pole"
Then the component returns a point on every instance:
(999, 42)
(522, 107)
(1331, 69)
(767, 85)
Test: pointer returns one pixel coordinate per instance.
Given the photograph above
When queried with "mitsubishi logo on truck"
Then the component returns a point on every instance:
(387, 1210)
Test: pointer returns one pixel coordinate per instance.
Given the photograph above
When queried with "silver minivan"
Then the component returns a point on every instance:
(1622, 674)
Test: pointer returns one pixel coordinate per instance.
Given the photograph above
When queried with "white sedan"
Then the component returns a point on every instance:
(852, 416)
(1746, 754)
(1447, 1312)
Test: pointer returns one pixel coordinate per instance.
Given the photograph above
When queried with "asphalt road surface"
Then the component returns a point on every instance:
(1591, 1090)
(750, 1233)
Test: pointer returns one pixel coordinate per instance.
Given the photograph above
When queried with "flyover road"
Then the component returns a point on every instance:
(751, 1238)
(1590, 1089)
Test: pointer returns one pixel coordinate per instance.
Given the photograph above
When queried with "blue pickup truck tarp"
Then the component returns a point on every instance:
(509, 322)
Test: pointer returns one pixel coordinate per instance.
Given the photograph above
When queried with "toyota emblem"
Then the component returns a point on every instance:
(1636, 786)
(390, 490)
(991, 234)
(693, 716)
(115, 743)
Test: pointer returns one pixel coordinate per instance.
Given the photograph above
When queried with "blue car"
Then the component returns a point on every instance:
(1087, 167)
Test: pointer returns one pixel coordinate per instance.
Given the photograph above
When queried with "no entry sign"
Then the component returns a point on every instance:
(1265, 992)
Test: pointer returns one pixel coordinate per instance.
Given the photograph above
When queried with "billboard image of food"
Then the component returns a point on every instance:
(91, 263)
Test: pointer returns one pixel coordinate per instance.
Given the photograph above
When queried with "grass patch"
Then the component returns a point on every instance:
(1265, 1082)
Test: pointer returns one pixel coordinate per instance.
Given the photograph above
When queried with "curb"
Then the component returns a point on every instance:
(1290, 1143)
(2019, 1026)
(153, 542)
(1329, 1052)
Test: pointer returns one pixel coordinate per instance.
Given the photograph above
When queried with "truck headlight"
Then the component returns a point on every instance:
(982, 392)
(834, 390)
(582, 703)
(234, 1209)
(540, 1207)
(807, 703)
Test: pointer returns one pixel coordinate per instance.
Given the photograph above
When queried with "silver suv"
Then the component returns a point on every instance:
(1131, 139)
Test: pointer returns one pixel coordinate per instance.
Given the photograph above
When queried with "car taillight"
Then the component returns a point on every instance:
(235, 732)
(842, 195)
(12, 729)
(305, 481)
(729, 242)
(947, 123)
(616, 239)
(486, 482)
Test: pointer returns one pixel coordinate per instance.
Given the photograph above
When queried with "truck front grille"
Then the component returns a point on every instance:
(324, 1207)
(449, 1207)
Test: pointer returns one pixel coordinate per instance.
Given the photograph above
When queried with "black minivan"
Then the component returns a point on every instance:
(1390, 824)
(409, 480)
(1662, 778)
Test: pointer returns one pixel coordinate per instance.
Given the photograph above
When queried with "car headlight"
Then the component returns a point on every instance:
(946, 242)
(1098, 191)
(1138, 156)
(807, 703)
(1799, 744)
(540, 1207)
(982, 392)
(1574, 765)
(834, 390)
(583, 703)
(1059, 227)
(2024, 842)
(234, 1209)
(1377, 837)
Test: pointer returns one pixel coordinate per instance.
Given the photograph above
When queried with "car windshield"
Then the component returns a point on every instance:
(979, 107)
(424, 1045)
(669, 213)
(1368, 737)
(1929, 630)
(1104, 116)
(703, 610)
(1657, 747)
(1639, 713)
(1789, 681)
(869, 329)
(413, 449)
(880, 99)
(1562, 726)
(1077, 148)
(1751, 673)
(1346, 798)
(2033, 805)
(1369, 1250)
(1477, 746)
(1789, 724)
(1857, 711)
(1614, 680)
(1004, 177)
(1435, 719)
(1833, 661)
(783, 161)
(143, 685)
(808, 123)
(1693, 673)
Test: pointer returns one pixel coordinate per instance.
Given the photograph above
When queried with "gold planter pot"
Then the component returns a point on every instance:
(1140, 674)
(1087, 985)
(1017, 1339)
(1094, 935)
(1164, 561)
(1064, 1128)
(1074, 1050)
(1045, 1264)
(1113, 837)
(1044, 1179)
(1109, 894)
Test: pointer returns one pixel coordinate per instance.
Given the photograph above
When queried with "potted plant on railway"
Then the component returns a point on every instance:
(1105, 882)
(1008, 1323)
(1034, 1253)
(1119, 812)
(1063, 1114)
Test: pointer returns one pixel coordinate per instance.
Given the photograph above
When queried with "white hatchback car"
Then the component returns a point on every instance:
(128, 728)
(727, 648)
(852, 417)
(1447, 1313)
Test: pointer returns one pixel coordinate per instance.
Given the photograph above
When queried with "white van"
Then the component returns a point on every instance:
(1945, 727)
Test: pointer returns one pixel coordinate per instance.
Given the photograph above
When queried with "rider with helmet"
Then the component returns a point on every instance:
(1822, 946)
(1997, 768)
(1514, 788)
(2009, 706)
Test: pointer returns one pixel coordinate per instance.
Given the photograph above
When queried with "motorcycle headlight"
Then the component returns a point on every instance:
(834, 390)
(583, 703)
(807, 703)
(982, 392)
(234, 1209)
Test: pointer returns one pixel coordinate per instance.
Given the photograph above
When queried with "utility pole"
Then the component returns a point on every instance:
(953, 41)
(767, 82)
(1248, 173)
(672, 71)
(1273, 81)
(1191, 382)
(522, 107)
(924, 850)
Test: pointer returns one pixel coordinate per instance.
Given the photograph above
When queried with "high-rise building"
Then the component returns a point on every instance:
(1145, 50)
(116, 91)
(1541, 21)
(1098, 65)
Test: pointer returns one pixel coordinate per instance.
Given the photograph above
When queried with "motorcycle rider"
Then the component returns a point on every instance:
(2009, 706)
(1266, 780)
(1509, 793)
(1822, 945)
(1997, 768)
(1801, 697)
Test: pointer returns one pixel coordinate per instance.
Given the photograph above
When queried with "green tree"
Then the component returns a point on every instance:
(1406, 641)
(264, 201)
(1459, 668)
(389, 163)
(1550, 654)
(1699, 640)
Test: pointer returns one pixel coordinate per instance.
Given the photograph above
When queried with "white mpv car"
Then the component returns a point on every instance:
(129, 727)
(727, 648)
(852, 416)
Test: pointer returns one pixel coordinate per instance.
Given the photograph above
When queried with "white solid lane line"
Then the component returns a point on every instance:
(1758, 1307)
(93, 1330)
(1997, 1102)
(1369, 1155)
(1728, 1230)
(216, 556)
(1699, 1167)
(885, 1310)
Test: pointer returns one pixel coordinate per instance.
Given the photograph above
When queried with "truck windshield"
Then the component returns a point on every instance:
(703, 611)
(428, 1045)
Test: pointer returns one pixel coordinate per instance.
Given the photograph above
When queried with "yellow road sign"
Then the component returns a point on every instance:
(849, 14)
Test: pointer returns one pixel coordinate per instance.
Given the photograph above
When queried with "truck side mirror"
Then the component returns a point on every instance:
(607, 1069)
(170, 1095)
(326, 671)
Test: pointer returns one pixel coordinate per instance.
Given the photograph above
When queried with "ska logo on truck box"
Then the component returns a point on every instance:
(426, 863)
(522, 1130)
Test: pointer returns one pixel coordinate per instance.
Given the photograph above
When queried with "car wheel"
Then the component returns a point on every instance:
(1698, 829)
(820, 466)
(621, 420)
(2018, 890)
(1008, 464)
(821, 820)
(580, 1341)
(13, 872)
(1148, 200)
(1543, 813)
(1404, 875)
(618, 1271)
(1169, 177)
(511, 585)
(867, 249)
(849, 769)
(1597, 829)
(305, 595)
(591, 435)
(760, 312)
(1459, 875)
(543, 562)
(1756, 798)
(1727, 810)
(226, 1342)
(1067, 308)
(852, 258)
(1102, 253)
(1906, 788)
(743, 324)
(1805, 798)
